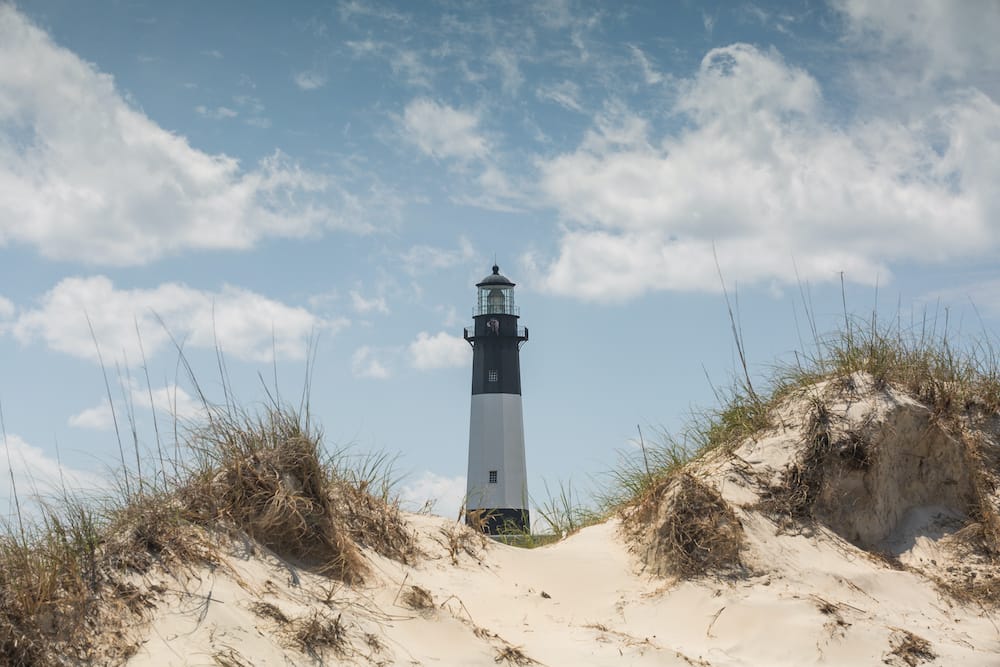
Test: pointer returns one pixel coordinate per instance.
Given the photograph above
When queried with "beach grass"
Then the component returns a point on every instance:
(68, 563)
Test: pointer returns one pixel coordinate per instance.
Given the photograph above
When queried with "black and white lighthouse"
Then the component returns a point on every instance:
(497, 492)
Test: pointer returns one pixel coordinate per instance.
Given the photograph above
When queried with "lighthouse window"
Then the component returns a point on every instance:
(491, 376)
(493, 477)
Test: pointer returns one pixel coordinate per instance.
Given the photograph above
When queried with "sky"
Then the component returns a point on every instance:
(310, 193)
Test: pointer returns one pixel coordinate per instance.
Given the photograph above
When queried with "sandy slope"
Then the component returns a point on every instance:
(811, 602)
(806, 593)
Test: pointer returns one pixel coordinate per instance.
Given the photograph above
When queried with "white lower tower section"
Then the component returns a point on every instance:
(496, 445)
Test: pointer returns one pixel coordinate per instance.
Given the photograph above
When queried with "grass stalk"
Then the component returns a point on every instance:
(111, 405)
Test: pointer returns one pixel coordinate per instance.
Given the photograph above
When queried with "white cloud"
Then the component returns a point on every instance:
(553, 14)
(249, 103)
(953, 38)
(424, 258)
(309, 80)
(446, 133)
(442, 131)
(441, 350)
(907, 57)
(351, 8)
(365, 363)
(170, 401)
(106, 185)
(444, 496)
(213, 53)
(565, 94)
(241, 321)
(405, 64)
(324, 300)
(649, 73)
(218, 113)
(7, 308)
(506, 61)
(363, 47)
(375, 304)
(495, 192)
(98, 418)
(408, 65)
(37, 474)
(708, 20)
(763, 181)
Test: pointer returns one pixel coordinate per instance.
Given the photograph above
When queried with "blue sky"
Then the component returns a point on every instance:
(336, 177)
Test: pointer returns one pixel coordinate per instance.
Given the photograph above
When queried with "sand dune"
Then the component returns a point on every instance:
(583, 601)
(883, 570)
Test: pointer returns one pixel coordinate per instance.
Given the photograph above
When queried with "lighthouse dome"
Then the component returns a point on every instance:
(495, 279)
(496, 295)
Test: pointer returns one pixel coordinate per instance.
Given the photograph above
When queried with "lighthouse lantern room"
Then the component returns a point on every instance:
(497, 487)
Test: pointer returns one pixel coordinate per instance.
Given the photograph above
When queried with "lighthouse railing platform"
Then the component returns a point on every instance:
(505, 308)
(469, 333)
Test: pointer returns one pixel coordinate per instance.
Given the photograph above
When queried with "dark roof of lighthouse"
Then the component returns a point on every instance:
(495, 278)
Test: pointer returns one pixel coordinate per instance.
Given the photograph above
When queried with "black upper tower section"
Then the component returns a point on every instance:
(496, 337)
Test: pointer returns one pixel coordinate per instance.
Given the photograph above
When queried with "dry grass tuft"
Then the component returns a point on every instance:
(268, 610)
(458, 539)
(513, 655)
(685, 528)
(794, 496)
(319, 632)
(230, 658)
(59, 598)
(264, 476)
(909, 649)
(151, 529)
(64, 581)
(418, 598)
(975, 579)
(983, 590)
(983, 454)
(831, 609)
(64, 586)
(374, 521)
(373, 642)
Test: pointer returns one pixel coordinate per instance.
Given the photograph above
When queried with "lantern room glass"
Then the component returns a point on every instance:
(494, 300)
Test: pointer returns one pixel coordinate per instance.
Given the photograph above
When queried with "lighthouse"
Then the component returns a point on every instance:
(497, 491)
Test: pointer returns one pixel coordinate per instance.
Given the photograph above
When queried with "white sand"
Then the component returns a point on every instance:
(601, 609)
(806, 598)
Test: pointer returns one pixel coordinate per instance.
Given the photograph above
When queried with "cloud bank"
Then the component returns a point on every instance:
(762, 183)
(244, 324)
(441, 350)
(85, 176)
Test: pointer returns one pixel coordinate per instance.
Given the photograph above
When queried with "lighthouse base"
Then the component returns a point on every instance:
(499, 521)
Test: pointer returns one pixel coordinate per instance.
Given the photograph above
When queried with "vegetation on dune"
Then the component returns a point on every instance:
(66, 576)
(954, 380)
(959, 384)
(697, 531)
(958, 380)
(264, 476)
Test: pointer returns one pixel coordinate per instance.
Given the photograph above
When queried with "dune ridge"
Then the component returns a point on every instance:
(856, 530)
